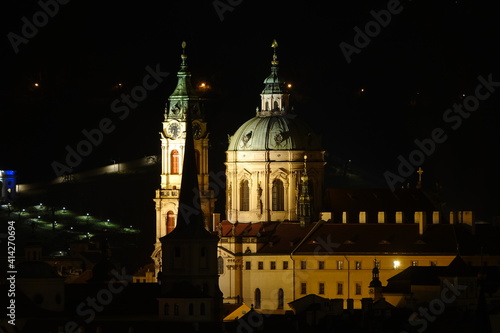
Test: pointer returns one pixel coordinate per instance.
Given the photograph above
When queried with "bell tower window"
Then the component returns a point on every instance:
(174, 162)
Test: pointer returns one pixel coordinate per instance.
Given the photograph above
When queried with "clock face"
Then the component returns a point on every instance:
(196, 130)
(174, 130)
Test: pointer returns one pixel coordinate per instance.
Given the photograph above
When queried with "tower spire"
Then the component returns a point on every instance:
(305, 198)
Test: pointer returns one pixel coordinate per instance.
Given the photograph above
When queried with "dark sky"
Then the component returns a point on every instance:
(427, 58)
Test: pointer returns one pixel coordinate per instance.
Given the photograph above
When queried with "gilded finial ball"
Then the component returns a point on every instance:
(305, 157)
(275, 43)
(183, 44)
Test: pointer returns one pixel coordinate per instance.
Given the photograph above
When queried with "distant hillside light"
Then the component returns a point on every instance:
(289, 85)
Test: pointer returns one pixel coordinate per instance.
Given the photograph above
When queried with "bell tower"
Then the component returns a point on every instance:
(182, 102)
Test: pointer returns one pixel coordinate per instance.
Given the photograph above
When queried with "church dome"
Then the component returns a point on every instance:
(280, 132)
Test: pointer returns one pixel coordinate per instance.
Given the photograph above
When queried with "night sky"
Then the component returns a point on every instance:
(396, 88)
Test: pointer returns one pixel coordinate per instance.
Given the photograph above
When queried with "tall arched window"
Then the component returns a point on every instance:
(170, 221)
(244, 196)
(202, 309)
(278, 195)
(174, 162)
(257, 298)
(281, 299)
(191, 309)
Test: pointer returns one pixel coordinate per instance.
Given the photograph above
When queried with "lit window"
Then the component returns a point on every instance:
(414, 263)
(174, 162)
(358, 265)
(340, 264)
(396, 264)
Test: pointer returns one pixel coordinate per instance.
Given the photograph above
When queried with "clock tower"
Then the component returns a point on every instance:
(182, 101)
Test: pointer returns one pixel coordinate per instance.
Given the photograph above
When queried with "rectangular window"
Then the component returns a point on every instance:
(260, 265)
(321, 290)
(433, 263)
(340, 264)
(358, 265)
(285, 264)
(303, 288)
(414, 263)
(248, 265)
(273, 264)
(340, 288)
(357, 290)
(321, 265)
(303, 264)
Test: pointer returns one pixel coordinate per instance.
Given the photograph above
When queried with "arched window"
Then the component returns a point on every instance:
(257, 298)
(166, 309)
(176, 309)
(202, 309)
(191, 309)
(170, 221)
(220, 265)
(276, 105)
(278, 195)
(281, 299)
(174, 162)
(244, 196)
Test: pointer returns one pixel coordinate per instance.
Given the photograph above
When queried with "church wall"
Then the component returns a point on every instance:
(269, 281)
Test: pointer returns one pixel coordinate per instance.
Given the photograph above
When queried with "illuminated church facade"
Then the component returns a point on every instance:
(284, 235)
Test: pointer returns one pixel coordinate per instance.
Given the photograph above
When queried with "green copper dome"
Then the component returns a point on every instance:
(284, 132)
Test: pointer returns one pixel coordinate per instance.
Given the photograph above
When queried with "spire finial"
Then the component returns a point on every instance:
(274, 45)
(419, 171)
(183, 55)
